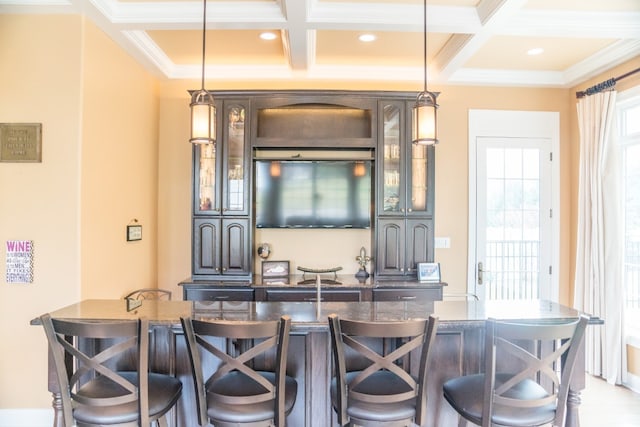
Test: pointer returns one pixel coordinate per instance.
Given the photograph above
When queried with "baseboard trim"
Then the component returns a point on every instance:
(632, 382)
(26, 417)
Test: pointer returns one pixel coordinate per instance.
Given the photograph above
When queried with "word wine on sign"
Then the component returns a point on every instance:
(19, 261)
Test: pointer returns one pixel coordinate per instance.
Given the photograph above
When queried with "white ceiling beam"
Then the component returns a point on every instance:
(589, 25)
(461, 47)
(298, 40)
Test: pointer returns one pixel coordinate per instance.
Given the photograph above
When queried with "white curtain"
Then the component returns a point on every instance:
(598, 280)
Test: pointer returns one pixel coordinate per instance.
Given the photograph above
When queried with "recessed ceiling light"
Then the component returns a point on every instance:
(535, 51)
(367, 38)
(267, 36)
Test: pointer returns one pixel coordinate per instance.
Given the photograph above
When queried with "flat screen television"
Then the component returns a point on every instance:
(313, 193)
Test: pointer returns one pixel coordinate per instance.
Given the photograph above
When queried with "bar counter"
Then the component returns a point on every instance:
(458, 349)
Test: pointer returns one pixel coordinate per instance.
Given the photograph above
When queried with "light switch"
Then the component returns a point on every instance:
(442, 242)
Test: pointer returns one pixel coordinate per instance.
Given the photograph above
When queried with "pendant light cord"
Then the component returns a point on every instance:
(204, 38)
(425, 45)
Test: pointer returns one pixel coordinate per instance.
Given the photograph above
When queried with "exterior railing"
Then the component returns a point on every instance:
(512, 269)
(632, 274)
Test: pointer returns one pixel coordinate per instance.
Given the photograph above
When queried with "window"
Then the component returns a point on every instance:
(629, 137)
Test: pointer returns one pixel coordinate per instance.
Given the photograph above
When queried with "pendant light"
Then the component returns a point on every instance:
(424, 128)
(203, 110)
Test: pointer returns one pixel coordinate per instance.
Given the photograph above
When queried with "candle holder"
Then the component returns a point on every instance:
(363, 259)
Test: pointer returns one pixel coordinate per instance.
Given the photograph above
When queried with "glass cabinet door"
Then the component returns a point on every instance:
(417, 180)
(392, 197)
(221, 169)
(235, 179)
(206, 201)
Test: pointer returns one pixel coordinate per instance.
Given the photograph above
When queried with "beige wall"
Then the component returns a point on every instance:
(99, 114)
(115, 148)
(40, 71)
(119, 170)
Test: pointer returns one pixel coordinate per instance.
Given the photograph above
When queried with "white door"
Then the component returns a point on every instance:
(511, 220)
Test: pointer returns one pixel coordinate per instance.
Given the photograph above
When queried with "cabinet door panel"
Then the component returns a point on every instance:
(311, 295)
(206, 246)
(235, 241)
(219, 294)
(236, 159)
(205, 178)
(390, 250)
(419, 243)
(408, 294)
(391, 159)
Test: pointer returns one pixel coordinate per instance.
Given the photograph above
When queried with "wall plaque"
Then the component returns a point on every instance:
(21, 142)
(19, 262)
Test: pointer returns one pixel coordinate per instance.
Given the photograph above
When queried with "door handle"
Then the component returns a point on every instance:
(480, 272)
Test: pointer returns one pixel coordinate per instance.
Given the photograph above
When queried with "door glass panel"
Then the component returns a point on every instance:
(391, 173)
(207, 177)
(235, 162)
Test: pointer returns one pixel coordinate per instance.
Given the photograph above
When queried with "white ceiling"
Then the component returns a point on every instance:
(470, 42)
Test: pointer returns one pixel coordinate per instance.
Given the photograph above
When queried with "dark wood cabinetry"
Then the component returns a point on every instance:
(308, 294)
(208, 293)
(222, 227)
(221, 246)
(252, 123)
(312, 120)
(404, 226)
(402, 243)
(407, 294)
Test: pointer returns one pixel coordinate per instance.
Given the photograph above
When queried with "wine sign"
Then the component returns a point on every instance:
(19, 261)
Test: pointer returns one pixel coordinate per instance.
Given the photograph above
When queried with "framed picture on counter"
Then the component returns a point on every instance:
(275, 268)
(429, 271)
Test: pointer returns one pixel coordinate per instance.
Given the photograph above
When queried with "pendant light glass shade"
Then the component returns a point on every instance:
(424, 119)
(203, 109)
(203, 118)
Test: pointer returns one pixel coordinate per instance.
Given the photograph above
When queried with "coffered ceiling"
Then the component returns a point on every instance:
(470, 42)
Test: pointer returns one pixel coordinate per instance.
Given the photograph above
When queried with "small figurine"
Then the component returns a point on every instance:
(363, 259)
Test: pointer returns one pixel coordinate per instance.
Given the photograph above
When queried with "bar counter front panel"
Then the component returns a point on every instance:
(458, 349)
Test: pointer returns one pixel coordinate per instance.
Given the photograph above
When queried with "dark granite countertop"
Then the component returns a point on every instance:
(309, 316)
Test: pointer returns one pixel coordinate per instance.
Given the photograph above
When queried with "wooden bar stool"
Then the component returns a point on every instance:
(373, 387)
(241, 390)
(520, 385)
(94, 390)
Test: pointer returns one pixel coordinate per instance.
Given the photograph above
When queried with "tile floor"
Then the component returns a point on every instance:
(605, 405)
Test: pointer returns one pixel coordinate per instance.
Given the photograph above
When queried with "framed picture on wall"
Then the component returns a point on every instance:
(275, 268)
(429, 271)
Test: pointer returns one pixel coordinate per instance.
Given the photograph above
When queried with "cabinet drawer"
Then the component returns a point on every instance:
(396, 294)
(218, 294)
(311, 295)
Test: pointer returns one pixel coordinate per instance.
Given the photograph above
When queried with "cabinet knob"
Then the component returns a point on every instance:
(409, 210)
